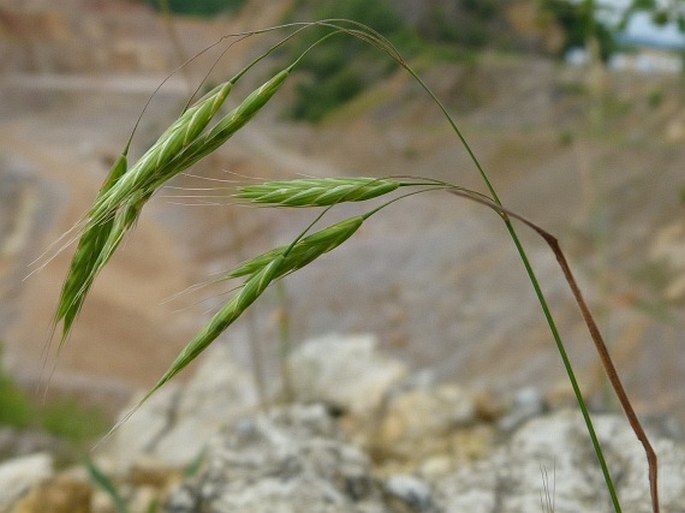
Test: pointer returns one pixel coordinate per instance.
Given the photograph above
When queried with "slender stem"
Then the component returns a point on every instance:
(257, 357)
(387, 46)
(567, 365)
(596, 335)
(538, 292)
(284, 340)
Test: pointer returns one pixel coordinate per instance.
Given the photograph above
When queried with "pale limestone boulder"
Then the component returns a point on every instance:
(18, 475)
(292, 461)
(406, 492)
(554, 453)
(430, 422)
(345, 372)
(175, 424)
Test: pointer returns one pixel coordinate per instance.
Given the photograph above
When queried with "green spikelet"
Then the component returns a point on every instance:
(224, 129)
(181, 134)
(305, 251)
(316, 192)
(84, 262)
(251, 290)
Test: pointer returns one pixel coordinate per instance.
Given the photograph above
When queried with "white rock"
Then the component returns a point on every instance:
(555, 452)
(527, 403)
(294, 460)
(176, 423)
(18, 475)
(345, 371)
(288, 462)
(413, 492)
(417, 421)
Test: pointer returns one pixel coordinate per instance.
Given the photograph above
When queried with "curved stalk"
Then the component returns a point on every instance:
(541, 299)
(597, 338)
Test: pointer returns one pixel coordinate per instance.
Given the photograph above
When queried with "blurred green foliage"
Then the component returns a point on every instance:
(15, 408)
(338, 71)
(67, 418)
(343, 67)
(197, 7)
(103, 481)
(579, 23)
(655, 98)
(64, 418)
(661, 13)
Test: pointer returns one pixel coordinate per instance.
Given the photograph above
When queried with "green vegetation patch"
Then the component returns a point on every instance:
(15, 408)
(579, 23)
(340, 70)
(68, 419)
(65, 418)
(337, 72)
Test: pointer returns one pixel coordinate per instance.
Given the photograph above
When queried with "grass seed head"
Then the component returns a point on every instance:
(117, 170)
(156, 161)
(316, 192)
(254, 286)
(188, 126)
(262, 270)
(183, 143)
(305, 251)
(232, 122)
(84, 262)
(124, 192)
(96, 247)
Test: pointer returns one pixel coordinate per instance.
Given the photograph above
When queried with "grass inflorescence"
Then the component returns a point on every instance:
(316, 192)
(302, 252)
(190, 138)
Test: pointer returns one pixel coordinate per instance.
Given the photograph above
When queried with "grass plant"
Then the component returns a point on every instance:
(112, 490)
(102, 481)
(190, 138)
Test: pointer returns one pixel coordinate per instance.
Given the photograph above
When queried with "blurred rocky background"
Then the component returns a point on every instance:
(581, 126)
(358, 433)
